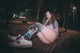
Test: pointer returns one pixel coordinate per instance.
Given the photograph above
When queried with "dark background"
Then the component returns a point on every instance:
(58, 6)
(69, 41)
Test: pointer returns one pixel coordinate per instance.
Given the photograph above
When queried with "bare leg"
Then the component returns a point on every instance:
(46, 35)
(42, 38)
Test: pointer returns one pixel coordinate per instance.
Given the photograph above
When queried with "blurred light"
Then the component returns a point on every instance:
(74, 8)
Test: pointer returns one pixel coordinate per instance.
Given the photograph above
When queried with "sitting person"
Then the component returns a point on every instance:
(47, 32)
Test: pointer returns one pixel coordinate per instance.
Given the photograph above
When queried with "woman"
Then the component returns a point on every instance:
(47, 31)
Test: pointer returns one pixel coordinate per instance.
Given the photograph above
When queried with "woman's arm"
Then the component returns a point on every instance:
(54, 27)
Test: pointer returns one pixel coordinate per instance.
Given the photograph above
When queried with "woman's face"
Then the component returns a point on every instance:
(48, 15)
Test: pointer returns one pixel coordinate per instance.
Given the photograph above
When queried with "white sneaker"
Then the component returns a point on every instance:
(21, 43)
(12, 38)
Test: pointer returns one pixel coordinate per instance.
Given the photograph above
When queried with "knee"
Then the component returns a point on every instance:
(37, 23)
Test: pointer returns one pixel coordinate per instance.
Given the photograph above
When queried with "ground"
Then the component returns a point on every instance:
(68, 42)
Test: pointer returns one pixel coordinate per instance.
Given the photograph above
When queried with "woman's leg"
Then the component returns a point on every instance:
(42, 38)
(46, 35)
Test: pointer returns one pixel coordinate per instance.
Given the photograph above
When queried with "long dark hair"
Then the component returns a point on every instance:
(52, 19)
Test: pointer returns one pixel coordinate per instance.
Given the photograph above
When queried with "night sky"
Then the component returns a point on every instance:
(14, 3)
